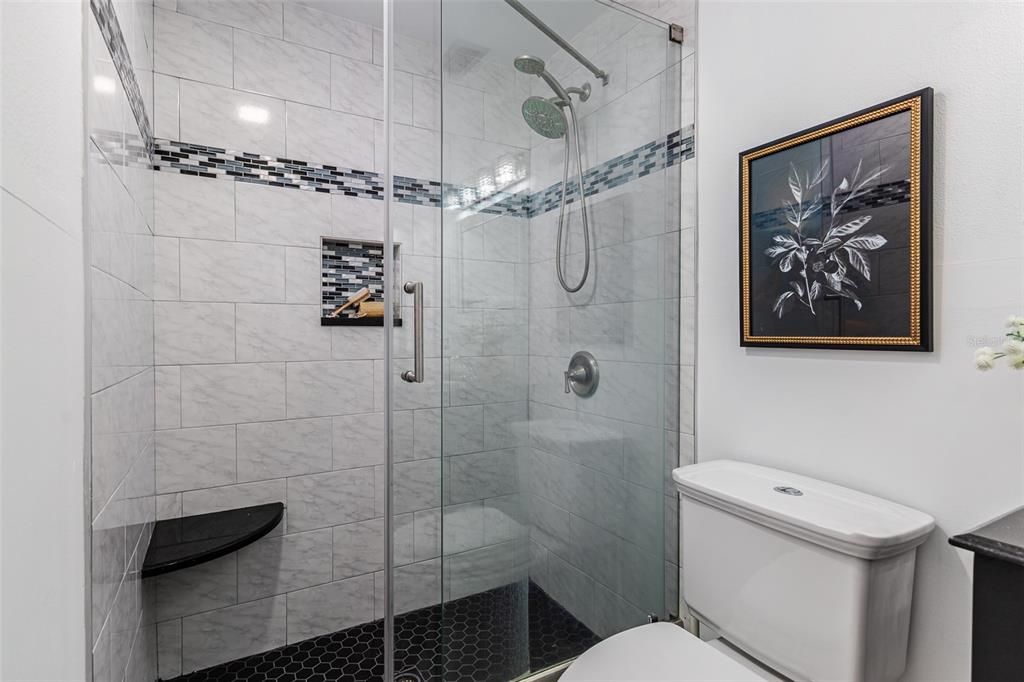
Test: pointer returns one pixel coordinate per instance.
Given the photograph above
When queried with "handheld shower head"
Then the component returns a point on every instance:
(528, 64)
(545, 116)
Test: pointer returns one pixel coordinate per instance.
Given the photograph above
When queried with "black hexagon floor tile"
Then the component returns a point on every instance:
(473, 639)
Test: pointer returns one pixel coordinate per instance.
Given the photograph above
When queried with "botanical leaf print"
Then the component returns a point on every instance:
(824, 262)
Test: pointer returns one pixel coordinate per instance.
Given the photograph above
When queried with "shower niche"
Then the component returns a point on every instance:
(352, 282)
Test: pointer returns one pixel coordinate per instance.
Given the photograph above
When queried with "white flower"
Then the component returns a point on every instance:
(1015, 322)
(1017, 361)
(1014, 348)
(984, 358)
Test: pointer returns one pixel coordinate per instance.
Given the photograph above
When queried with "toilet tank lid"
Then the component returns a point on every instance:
(830, 515)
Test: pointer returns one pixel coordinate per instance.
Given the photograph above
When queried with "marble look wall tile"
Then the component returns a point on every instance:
(483, 569)
(505, 519)
(463, 429)
(168, 647)
(270, 215)
(232, 497)
(357, 87)
(505, 425)
(226, 271)
(331, 137)
(165, 105)
(168, 506)
(327, 31)
(464, 110)
(302, 275)
(194, 333)
(427, 433)
(262, 16)
(417, 485)
(463, 527)
(329, 608)
(629, 392)
(571, 587)
(357, 218)
(166, 279)
(275, 333)
(229, 394)
(330, 499)
(359, 440)
(226, 634)
(358, 548)
(192, 48)
(281, 564)
(418, 56)
(426, 103)
(209, 112)
(506, 332)
(194, 458)
(417, 152)
(167, 397)
(192, 590)
(283, 448)
(481, 475)
(329, 388)
(426, 534)
(416, 585)
(613, 614)
(108, 558)
(359, 343)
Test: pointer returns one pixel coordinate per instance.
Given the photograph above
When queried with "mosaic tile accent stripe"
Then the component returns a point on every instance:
(217, 162)
(110, 29)
(887, 194)
(346, 267)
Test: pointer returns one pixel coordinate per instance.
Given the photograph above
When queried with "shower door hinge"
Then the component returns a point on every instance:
(675, 33)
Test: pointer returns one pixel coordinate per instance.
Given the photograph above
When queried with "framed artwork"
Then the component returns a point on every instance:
(835, 233)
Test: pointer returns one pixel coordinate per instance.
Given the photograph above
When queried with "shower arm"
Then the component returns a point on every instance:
(562, 42)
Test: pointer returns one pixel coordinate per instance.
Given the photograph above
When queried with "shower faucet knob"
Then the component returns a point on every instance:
(583, 375)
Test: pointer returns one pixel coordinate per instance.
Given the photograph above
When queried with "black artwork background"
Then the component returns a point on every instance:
(885, 297)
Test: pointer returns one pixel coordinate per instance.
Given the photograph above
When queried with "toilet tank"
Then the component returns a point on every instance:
(812, 579)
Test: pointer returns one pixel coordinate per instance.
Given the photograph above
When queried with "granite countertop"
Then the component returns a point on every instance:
(1002, 538)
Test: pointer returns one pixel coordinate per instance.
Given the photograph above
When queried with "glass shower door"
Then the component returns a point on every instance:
(527, 496)
(560, 347)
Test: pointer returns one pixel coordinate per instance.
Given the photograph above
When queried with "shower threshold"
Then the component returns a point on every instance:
(473, 639)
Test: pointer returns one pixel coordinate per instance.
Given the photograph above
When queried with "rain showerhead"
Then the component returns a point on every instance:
(528, 64)
(545, 116)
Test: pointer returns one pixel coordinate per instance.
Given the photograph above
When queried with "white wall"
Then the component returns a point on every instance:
(926, 430)
(42, 365)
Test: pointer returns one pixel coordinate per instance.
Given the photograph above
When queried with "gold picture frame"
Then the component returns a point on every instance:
(807, 254)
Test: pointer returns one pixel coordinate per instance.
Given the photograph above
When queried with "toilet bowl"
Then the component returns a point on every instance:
(659, 652)
(806, 578)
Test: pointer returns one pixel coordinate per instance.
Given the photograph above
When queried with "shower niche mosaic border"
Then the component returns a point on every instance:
(348, 265)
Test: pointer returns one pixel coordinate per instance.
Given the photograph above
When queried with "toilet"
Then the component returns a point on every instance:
(809, 580)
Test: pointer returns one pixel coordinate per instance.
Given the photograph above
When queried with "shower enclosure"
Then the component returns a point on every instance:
(550, 332)
(473, 457)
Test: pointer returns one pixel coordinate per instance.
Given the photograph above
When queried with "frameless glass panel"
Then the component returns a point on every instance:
(415, 376)
(553, 502)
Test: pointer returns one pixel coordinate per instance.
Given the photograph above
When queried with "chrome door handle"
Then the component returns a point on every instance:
(415, 375)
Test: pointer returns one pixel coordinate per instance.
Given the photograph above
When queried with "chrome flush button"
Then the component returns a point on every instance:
(788, 490)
